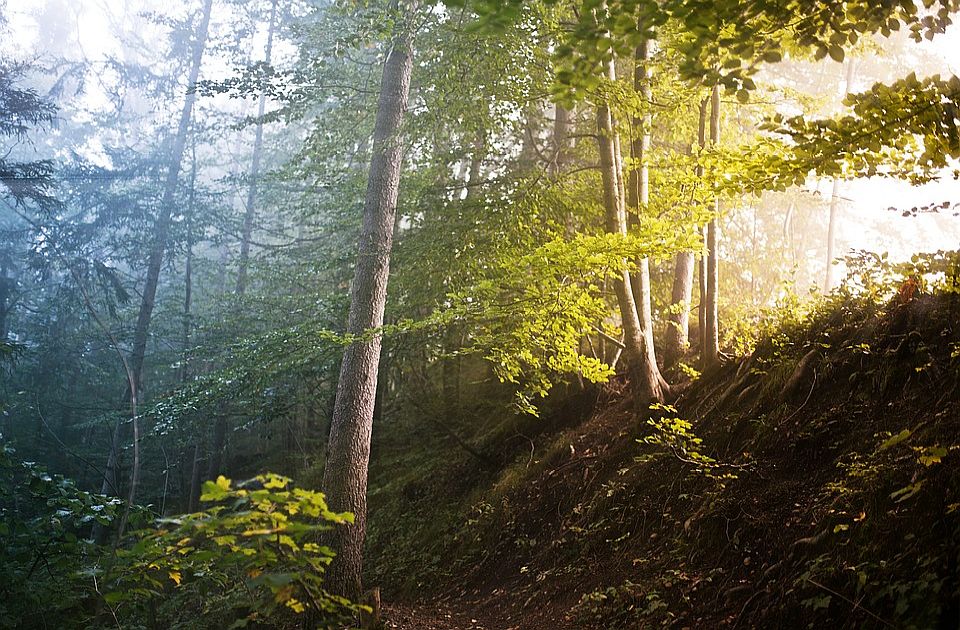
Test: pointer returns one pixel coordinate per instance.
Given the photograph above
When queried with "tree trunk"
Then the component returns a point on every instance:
(560, 141)
(348, 452)
(188, 273)
(193, 500)
(4, 290)
(711, 342)
(678, 328)
(162, 227)
(250, 213)
(217, 443)
(647, 383)
(154, 262)
(7, 285)
(835, 202)
(638, 200)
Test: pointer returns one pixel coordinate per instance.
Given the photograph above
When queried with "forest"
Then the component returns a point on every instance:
(479, 314)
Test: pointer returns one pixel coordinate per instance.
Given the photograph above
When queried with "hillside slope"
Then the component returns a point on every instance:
(825, 493)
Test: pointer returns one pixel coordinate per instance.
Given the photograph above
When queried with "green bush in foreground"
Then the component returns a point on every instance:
(250, 558)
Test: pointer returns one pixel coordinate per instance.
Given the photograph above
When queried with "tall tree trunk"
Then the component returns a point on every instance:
(646, 383)
(702, 258)
(7, 284)
(453, 338)
(711, 342)
(188, 272)
(250, 213)
(162, 227)
(832, 234)
(193, 499)
(218, 441)
(678, 328)
(154, 263)
(835, 202)
(639, 197)
(560, 143)
(348, 451)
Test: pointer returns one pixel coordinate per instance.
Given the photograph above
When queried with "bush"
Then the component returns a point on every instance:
(250, 558)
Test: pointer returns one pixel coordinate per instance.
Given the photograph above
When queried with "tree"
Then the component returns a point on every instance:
(639, 202)
(710, 345)
(348, 452)
(634, 338)
(835, 199)
(161, 230)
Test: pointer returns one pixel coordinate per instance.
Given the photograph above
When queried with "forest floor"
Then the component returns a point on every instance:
(829, 495)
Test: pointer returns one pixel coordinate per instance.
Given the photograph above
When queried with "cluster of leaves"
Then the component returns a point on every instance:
(877, 278)
(251, 557)
(725, 42)
(45, 522)
(677, 438)
(624, 606)
(909, 129)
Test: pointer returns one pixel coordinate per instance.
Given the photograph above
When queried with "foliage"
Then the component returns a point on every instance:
(45, 522)
(622, 607)
(252, 557)
(246, 558)
(676, 436)
(909, 129)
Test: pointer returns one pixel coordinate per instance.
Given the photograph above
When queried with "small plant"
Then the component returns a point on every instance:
(620, 607)
(677, 437)
(250, 558)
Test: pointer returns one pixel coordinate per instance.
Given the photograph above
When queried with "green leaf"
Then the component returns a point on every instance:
(894, 440)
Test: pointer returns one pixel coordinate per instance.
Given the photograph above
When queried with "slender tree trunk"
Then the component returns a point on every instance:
(348, 452)
(6, 288)
(154, 262)
(835, 202)
(638, 200)
(832, 234)
(188, 273)
(647, 384)
(711, 342)
(162, 227)
(702, 257)
(217, 442)
(250, 213)
(678, 328)
(451, 365)
(560, 142)
(193, 503)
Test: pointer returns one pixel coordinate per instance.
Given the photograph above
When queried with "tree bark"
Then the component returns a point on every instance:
(678, 327)
(348, 451)
(250, 212)
(162, 226)
(134, 366)
(835, 202)
(188, 273)
(560, 141)
(647, 384)
(638, 200)
(711, 342)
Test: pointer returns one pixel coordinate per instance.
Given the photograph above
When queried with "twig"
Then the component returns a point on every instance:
(855, 605)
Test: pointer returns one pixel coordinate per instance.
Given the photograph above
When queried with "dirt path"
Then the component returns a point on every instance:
(437, 616)
(475, 611)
